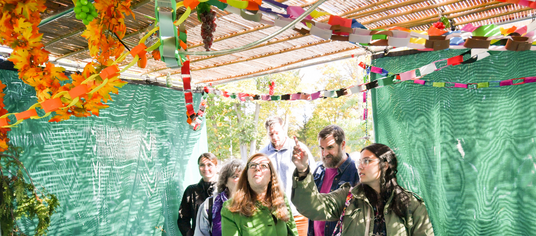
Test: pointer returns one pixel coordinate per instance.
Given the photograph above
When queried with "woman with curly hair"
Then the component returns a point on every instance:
(375, 206)
(259, 206)
(209, 215)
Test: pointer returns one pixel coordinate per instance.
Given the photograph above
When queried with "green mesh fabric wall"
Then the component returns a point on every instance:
(469, 153)
(121, 173)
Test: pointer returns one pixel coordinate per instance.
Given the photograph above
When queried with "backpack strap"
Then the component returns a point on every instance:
(338, 227)
(210, 204)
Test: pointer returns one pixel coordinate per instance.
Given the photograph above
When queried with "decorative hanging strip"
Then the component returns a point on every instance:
(391, 78)
(526, 3)
(363, 88)
(498, 83)
(489, 37)
(475, 55)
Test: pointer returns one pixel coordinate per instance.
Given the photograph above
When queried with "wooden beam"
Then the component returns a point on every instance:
(381, 9)
(85, 49)
(495, 16)
(265, 55)
(231, 35)
(470, 13)
(435, 17)
(297, 36)
(212, 57)
(280, 66)
(390, 16)
(79, 31)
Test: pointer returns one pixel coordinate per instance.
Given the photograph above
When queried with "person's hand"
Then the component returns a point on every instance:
(299, 157)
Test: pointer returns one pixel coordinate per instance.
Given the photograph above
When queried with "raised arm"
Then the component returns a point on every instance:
(314, 205)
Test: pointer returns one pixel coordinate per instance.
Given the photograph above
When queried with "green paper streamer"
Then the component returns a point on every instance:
(483, 85)
(218, 4)
(438, 84)
(487, 31)
(386, 81)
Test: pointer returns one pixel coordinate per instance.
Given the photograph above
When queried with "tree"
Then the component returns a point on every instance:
(235, 126)
(345, 111)
(20, 198)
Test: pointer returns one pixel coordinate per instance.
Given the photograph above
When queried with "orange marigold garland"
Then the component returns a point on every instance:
(100, 33)
(19, 29)
(3, 131)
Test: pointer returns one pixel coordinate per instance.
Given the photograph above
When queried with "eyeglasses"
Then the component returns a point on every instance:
(366, 161)
(254, 166)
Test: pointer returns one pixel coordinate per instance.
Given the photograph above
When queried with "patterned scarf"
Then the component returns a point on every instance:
(216, 213)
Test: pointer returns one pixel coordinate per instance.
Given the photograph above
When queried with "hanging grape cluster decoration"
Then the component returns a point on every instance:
(85, 11)
(207, 16)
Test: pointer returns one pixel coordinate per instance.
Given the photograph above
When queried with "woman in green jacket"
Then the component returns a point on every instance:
(258, 207)
(375, 206)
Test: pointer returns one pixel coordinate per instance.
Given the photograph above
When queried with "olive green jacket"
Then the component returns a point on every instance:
(359, 216)
(263, 222)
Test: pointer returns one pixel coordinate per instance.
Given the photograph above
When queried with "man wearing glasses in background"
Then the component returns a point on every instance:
(280, 150)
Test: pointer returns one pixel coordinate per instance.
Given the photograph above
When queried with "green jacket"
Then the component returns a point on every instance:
(263, 222)
(359, 214)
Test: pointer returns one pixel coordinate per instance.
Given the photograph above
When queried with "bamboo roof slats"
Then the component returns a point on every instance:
(290, 49)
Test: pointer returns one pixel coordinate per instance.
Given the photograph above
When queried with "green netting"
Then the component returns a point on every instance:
(469, 153)
(121, 173)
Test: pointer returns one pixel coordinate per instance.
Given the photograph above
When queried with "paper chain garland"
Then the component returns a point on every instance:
(391, 78)
(342, 29)
(174, 43)
(411, 75)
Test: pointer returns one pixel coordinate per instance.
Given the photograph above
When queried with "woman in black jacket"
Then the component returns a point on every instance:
(195, 194)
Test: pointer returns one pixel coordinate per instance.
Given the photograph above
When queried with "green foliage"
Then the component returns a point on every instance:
(19, 197)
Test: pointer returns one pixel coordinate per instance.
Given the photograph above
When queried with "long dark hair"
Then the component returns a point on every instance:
(388, 183)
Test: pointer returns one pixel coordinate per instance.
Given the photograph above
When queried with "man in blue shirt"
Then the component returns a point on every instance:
(336, 168)
(279, 150)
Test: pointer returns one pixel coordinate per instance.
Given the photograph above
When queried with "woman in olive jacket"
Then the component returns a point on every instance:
(375, 206)
(258, 207)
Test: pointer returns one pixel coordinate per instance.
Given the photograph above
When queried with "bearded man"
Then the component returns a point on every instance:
(336, 168)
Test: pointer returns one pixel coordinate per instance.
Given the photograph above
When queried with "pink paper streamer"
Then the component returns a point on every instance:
(506, 82)
(522, 30)
(524, 3)
(408, 75)
(459, 85)
(419, 81)
(530, 79)
(295, 11)
(469, 28)
(315, 96)
(376, 70)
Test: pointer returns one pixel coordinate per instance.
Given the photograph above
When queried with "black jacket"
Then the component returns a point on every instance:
(193, 197)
